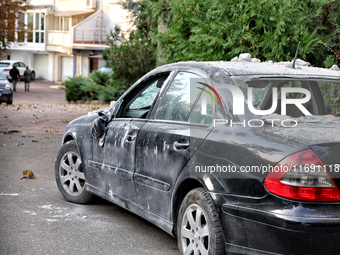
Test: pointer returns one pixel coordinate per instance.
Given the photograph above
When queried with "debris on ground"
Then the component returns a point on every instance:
(27, 174)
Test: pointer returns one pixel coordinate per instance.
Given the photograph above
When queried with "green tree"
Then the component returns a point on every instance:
(222, 29)
(131, 56)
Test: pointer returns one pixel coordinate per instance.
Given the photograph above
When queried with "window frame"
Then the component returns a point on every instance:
(41, 32)
(136, 91)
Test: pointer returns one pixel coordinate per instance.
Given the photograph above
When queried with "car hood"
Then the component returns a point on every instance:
(3, 83)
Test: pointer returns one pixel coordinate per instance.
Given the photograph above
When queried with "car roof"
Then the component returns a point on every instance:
(260, 69)
(10, 61)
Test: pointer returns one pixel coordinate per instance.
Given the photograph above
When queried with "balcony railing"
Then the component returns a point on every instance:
(90, 35)
(61, 38)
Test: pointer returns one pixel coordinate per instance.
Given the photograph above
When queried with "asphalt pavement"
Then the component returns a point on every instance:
(35, 219)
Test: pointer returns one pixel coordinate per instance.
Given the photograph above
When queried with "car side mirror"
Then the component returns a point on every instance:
(98, 128)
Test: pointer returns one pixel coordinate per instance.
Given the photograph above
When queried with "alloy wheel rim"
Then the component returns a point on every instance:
(71, 174)
(195, 231)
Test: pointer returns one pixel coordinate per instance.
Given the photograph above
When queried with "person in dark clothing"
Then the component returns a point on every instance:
(27, 75)
(14, 73)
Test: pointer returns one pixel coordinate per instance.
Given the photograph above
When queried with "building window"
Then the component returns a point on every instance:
(21, 27)
(30, 27)
(36, 26)
(62, 23)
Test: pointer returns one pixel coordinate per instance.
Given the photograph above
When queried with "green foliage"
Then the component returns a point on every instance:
(112, 92)
(73, 88)
(331, 95)
(222, 29)
(129, 59)
(98, 86)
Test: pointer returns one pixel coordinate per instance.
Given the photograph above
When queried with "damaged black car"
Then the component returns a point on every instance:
(237, 157)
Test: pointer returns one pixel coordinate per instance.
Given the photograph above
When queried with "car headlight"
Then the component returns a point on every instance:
(7, 87)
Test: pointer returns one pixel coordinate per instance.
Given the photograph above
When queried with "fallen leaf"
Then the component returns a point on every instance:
(51, 130)
(28, 174)
(3, 144)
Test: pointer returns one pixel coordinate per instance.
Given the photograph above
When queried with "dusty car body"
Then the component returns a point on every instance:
(6, 92)
(166, 158)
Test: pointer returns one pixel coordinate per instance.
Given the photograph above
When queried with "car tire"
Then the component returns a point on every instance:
(69, 173)
(33, 76)
(10, 100)
(198, 225)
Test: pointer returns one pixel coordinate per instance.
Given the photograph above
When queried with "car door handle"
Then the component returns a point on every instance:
(181, 145)
(130, 138)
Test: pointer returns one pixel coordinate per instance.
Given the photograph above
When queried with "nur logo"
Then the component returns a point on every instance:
(239, 99)
(204, 100)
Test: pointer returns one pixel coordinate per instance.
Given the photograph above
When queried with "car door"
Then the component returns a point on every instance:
(113, 164)
(166, 142)
(21, 67)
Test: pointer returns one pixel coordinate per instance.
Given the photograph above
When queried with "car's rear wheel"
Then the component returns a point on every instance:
(198, 226)
(33, 76)
(69, 173)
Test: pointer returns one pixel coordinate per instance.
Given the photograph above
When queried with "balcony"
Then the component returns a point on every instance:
(90, 35)
(59, 38)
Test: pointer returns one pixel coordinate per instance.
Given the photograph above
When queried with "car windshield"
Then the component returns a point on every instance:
(146, 99)
(2, 76)
(2, 64)
(325, 95)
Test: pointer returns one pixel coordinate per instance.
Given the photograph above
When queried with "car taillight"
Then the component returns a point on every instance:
(7, 70)
(302, 176)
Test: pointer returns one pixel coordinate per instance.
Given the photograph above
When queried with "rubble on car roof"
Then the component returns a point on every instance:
(245, 65)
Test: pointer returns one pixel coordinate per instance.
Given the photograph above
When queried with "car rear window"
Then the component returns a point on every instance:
(4, 64)
(330, 90)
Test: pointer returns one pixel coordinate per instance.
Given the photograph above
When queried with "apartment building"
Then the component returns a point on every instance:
(68, 36)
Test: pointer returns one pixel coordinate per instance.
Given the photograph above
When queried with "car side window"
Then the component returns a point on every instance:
(179, 98)
(145, 99)
(202, 112)
(22, 64)
(139, 102)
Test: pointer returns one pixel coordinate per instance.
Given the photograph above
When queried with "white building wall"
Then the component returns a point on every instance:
(51, 68)
(114, 14)
(41, 66)
(85, 63)
(101, 63)
(69, 5)
(66, 67)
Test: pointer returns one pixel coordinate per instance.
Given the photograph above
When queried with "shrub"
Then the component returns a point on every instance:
(73, 88)
(98, 86)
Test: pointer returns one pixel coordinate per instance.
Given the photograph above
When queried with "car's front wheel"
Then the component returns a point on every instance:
(198, 226)
(10, 100)
(69, 173)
